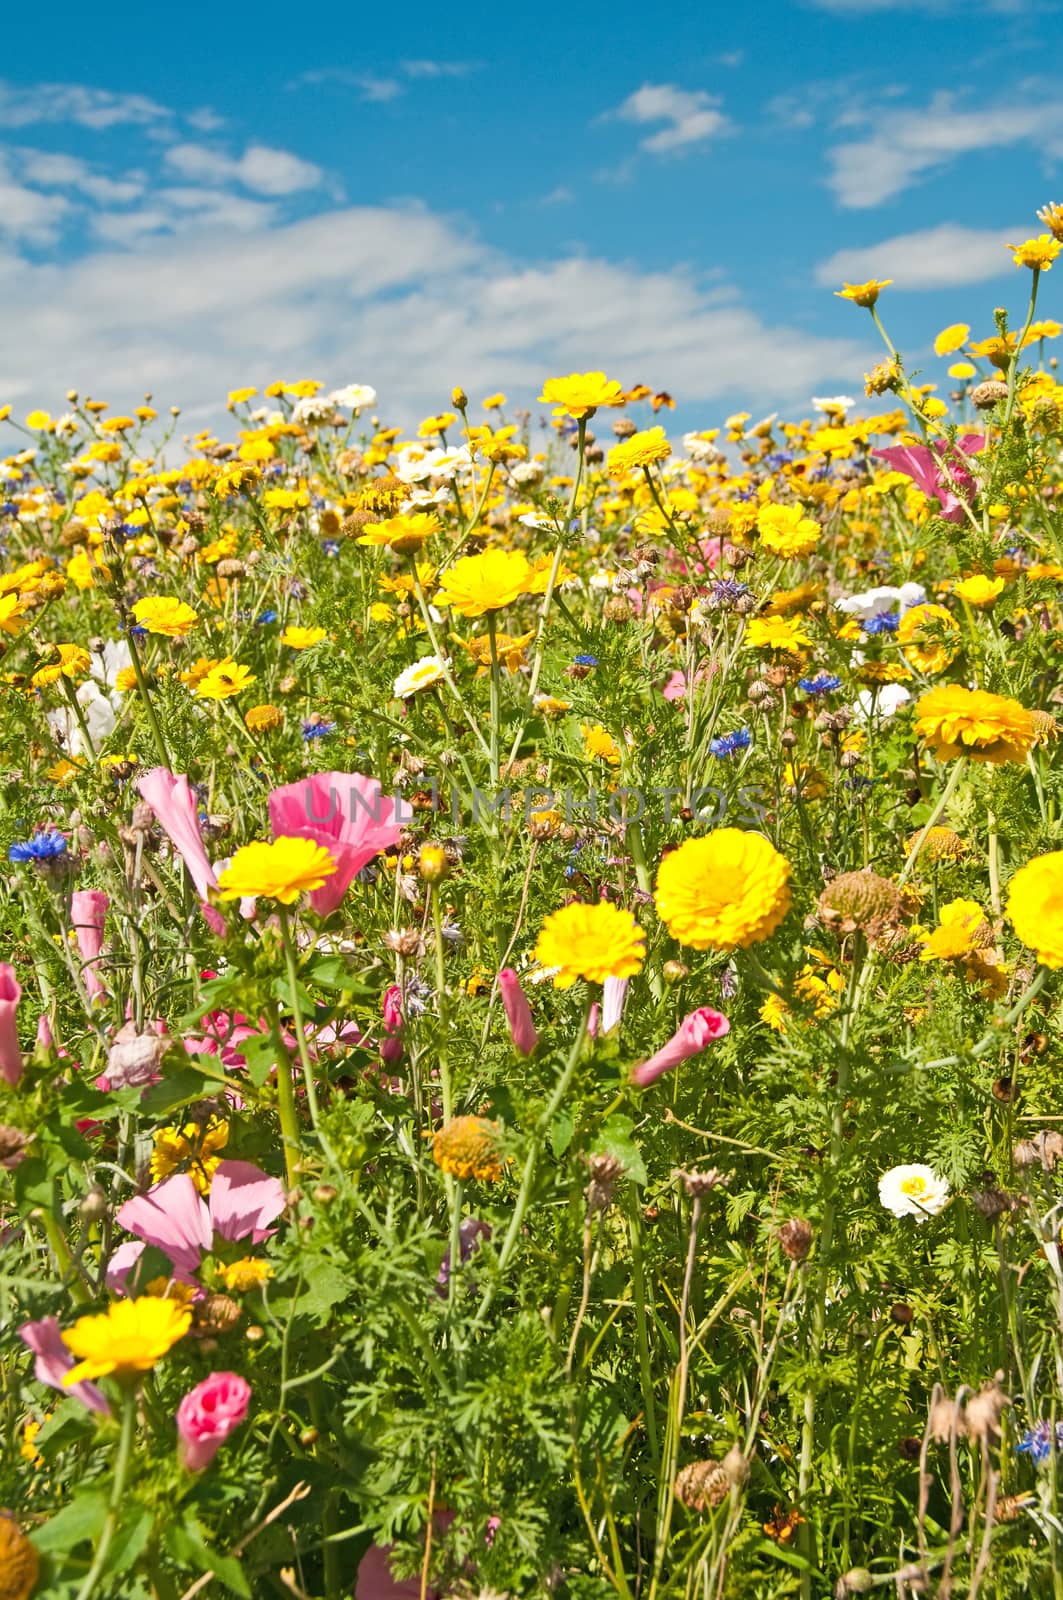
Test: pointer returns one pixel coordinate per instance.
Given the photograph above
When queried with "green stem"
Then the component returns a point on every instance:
(642, 1334)
(286, 1111)
(309, 1084)
(145, 699)
(492, 639)
(931, 821)
(121, 1473)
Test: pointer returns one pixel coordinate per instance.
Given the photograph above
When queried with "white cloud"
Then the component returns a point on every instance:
(51, 170)
(413, 304)
(905, 145)
(25, 213)
(935, 258)
(690, 116)
(439, 69)
(71, 102)
(261, 169)
(183, 210)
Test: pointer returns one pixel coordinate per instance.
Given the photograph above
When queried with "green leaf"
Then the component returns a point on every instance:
(616, 1138)
(131, 1536)
(187, 1543)
(68, 1423)
(561, 1131)
(82, 1519)
(260, 1053)
(176, 1089)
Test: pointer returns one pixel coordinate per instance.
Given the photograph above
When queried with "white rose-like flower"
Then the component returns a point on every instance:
(355, 397)
(913, 1191)
(422, 675)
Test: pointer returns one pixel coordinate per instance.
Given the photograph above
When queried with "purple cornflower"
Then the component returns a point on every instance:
(822, 683)
(728, 743)
(1036, 1442)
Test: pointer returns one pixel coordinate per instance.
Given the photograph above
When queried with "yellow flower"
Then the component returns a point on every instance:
(863, 294)
(196, 1146)
(129, 1337)
(510, 650)
(163, 614)
(726, 890)
(940, 844)
(776, 633)
(73, 662)
(925, 634)
(39, 421)
(590, 941)
(264, 718)
(403, 534)
(951, 338)
(970, 722)
(238, 396)
(192, 676)
(962, 369)
(1037, 254)
(581, 393)
(467, 1147)
(494, 402)
(248, 1273)
(641, 450)
(224, 680)
(279, 870)
(433, 425)
(1035, 907)
(786, 531)
(962, 929)
(1052, 217)
(302, 638)
(551, 706)
(774, 1012)
(979, 590)
(487, 582)
(598, 741)
(19, 1564)
(11, 613)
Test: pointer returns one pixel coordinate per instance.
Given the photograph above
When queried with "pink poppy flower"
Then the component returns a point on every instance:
(694, 1033)
(171, 798)
(88, 912)
(10, 1052)
(172, 1215)
(207, 1415)
(54, 1360)
(347, 814)
(522, 1029)
(938, 470)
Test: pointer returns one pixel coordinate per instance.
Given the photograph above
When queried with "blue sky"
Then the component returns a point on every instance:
(195, 199)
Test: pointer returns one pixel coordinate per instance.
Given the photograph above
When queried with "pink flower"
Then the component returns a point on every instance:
(170, 797)
(376, 1581)
(392, 1008)
(88, 911)
(10, 1053)
(518, 1012)
(172, 1216)
(614, 993)
(694, 1033)
(207, 1415)
(345, 812)
(938, 471)
(676, 687)
(54, 1360)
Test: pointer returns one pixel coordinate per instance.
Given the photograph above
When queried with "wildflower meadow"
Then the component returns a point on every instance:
(529, 1001)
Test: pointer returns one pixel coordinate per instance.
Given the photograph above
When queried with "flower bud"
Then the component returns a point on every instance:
(795, 1239)
(458, 398)
(432, 863)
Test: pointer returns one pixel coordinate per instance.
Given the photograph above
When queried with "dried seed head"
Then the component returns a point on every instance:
(946, 1417)
(857, 1580)
(985, 1409)
(986, 395)
(13, 1144)
(405, 942)
(214, 1315)
(134, 1058)
(18, 1560)
(606, 1172)
(795, 1239)
(860, 901)
(736, 1465)
(699, 1184)
(702, 1484)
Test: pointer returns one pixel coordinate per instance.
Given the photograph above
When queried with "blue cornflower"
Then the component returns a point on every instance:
(265, 617)
(331, 547)
(317, 730)
(778, 458)
(822, 683)
(1036, 1442)
(729, 589)
(586, 661)
(885, 622)
(138, 630)
(728, 743)
(43, 846)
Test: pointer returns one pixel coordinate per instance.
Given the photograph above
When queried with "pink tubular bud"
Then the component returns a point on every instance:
(518, 1012)
(692, 1036)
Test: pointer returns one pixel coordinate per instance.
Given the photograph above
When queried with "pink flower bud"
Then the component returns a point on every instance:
(696, 1031)
(10, 1054)
(392, 1007)
(207, 1415)
(518, 1012)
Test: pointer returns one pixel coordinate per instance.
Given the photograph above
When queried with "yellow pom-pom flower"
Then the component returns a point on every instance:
(1035, 907)
(467, 1147)
(971, 722)
(590, 941)
(581, 393)
(727, 890)
(486, 582)
(786, 531)
(641, 450)
(925, 634)
(129, 1337)
(281, 870)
